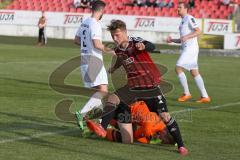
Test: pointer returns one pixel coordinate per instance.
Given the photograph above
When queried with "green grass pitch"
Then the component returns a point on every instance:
(30, 130)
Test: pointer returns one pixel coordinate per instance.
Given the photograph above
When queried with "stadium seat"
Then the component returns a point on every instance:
(203, 8)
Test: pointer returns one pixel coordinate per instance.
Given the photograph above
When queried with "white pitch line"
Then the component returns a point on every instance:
(35, 136)
(69, 131)
(225, 105)
(207, 108)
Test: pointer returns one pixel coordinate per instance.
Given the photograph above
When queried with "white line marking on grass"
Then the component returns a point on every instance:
(207, 108)
(35, 136)
(69, 131)
(225, 105)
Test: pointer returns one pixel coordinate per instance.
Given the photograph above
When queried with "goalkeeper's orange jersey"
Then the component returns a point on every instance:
(149, 122)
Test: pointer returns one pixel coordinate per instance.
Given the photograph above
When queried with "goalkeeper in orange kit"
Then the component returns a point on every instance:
(147, 125)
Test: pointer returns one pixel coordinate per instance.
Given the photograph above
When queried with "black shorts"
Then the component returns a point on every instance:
(153, 97)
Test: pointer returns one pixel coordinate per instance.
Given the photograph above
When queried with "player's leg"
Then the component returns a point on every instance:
(200, 84)
(98, 82)
(39, 37)
(43, 37)
(114, 108)
(107, 115)
(113, 135)
(183, 81)
(109, 110)
(94, 102)
(159, 106)
(96, 99)
(124, 135)
(126, 132)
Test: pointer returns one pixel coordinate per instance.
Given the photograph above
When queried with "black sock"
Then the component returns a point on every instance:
(117, 137)
(175, 132)
(108, 114)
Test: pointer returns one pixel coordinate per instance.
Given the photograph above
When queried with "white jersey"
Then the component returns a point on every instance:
(189, 50)
(187, 26)
(90, 29)
(92, 68)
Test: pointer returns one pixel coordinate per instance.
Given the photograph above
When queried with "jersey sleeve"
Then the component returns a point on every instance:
(96, 31)
(192, 23)
(149, 47)
(137, 39)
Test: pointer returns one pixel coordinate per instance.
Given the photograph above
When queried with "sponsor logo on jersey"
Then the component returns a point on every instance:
(192, 19)
(145, 23)
(128, 61)
(73, 19)
(7, 16)
(238, 41)
(218, 27)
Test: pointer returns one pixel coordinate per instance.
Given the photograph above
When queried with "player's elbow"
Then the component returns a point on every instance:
(77, 40)
(198, 32)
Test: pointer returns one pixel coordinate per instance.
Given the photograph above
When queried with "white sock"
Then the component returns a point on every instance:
(200, 85)
(183, 80)
(94, 102)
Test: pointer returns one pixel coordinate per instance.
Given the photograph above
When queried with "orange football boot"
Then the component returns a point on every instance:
(184, 98)
(96, 128)
(204, 100)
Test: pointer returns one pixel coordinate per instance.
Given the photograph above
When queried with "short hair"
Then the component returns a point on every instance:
(185, 4)
(98, 5)
(116, 24)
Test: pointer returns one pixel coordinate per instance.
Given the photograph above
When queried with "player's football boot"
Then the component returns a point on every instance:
(143, 140)
(155, 141)
(184, 98)
(96, 128)
(183, 151)
(204, 100)
(80, 121)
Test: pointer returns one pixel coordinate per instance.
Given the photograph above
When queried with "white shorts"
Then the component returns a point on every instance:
(188, 59)
(93, 77)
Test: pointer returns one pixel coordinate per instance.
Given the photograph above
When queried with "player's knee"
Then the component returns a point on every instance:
(178, 70)
(102, 88)
(194, 73)
(113, 99)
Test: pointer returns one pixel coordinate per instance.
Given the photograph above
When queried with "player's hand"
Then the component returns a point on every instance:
(140, 46)
(169, 39)
(184, 39)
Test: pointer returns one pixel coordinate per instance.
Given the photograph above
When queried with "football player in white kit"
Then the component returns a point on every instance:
(188, 60)
(94, 75)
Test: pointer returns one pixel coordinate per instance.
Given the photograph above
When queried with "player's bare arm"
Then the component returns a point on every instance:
(77, 40)
(98, 45)
(170, 40)
(194, 34)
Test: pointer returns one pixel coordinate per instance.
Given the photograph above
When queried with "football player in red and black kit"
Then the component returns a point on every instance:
(144, 82)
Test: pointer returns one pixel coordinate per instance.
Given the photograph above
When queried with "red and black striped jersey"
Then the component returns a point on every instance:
(140, 69)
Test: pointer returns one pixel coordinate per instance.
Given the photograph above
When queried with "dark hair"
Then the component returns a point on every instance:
(185, 4)
(116, 24)
(98, 5)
